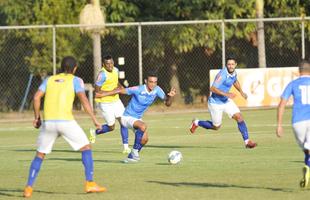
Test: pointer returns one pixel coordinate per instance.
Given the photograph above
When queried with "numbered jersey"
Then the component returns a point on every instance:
(300, 89)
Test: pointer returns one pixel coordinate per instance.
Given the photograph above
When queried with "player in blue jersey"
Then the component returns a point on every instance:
(142, 97)
(221, 101)
(300, 90)
(59, 92)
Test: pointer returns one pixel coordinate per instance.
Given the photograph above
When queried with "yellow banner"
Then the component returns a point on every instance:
(263, 86)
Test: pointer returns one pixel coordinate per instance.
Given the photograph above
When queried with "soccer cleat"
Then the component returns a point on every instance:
(305, 179)
(92, 135)
(250, 145)
(126, 150)
(193, 126)
(92, 187)
(130, 160)
(28, 191)
(133, 157)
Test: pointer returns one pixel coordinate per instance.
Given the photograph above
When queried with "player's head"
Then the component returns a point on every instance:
(231, 64)
(151, 80)
(304, 67)
(108, 63)
(68, 65)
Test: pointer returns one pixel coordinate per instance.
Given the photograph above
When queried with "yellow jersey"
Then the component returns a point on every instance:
(108, 82)
(60, 92)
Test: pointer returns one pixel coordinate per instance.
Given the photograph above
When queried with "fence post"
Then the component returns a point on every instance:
(223, 44)
(140, 54)
(303, 38)
(54, 49)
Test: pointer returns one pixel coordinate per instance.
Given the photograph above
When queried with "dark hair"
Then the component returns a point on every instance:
(304, 66)
(151, 74)
(67, 64)
(230, 58)
(107, 57)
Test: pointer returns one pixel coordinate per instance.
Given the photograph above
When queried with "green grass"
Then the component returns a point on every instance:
(216, 165)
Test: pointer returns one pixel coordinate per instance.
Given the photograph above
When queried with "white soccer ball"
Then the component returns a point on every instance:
(174, 157)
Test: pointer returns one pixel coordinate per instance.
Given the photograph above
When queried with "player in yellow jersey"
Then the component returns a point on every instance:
(59, 92)
(109, 104)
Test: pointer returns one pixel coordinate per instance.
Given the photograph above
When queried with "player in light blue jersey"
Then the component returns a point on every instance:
(300, 90)
(142, 97)
(220, 101)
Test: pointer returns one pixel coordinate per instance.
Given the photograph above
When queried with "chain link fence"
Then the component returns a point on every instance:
(181, 52)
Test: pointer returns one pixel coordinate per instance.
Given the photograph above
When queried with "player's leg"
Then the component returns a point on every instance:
(119, 110)
(216, 112)
(302, 135)
(139, 128)
(233, 112)
(46, 139)
(77, 139)
(107, 111)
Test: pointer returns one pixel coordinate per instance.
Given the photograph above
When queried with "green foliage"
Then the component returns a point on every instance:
(46, 12)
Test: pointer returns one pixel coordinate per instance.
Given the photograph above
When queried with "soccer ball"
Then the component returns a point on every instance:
(174, 157)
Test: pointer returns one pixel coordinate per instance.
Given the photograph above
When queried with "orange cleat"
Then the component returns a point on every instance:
(193, 126)
(250, 145)
(91, 187)
(28, 191)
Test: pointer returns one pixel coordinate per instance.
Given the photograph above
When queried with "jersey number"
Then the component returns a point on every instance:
(305, 94)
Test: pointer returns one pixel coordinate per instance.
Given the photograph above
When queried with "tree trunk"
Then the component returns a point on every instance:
(174, 82)
(96, 54)
(260, 34)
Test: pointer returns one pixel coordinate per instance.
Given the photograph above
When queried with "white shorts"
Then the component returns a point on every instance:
(216, 111)
(302, 134)
(111, 111)
(128, 121)
(69, 130)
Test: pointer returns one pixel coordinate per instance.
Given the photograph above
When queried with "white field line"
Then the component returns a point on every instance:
(6, 147)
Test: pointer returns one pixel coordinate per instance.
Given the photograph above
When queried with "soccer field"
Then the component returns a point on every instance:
(215, 166)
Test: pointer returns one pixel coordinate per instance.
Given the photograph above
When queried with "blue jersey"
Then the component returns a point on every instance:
(300, 89)
(223, 81)
(141, 100)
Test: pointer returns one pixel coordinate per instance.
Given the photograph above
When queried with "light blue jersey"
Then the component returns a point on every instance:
(300, 89)
(141, 100)
(223, 81)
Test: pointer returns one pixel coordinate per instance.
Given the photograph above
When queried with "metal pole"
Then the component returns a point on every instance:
(54, 49)
(140, 54)
(223, 44)
(303, 39)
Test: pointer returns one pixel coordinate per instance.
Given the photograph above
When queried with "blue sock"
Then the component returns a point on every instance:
(244, 130)
(124, 133)
(104, 129)
(34, 170)
(88, 163)
(307, 159)
(205, 124)
(138, 138)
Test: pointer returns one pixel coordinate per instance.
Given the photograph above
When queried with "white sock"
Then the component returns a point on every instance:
(246, 141)
(126, 146)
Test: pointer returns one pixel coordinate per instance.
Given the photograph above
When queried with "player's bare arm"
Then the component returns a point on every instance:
(220, 92)
(86, 105)
(170, 94)
(280, 111)
(36, 108)
(238, 87)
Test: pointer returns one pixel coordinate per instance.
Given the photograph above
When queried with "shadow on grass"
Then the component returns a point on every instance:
(19, 192)
(80, 160)
(179, 147)
(219, 185)
(65, 151)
